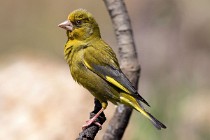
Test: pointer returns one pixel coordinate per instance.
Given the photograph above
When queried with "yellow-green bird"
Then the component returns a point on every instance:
(94, 65)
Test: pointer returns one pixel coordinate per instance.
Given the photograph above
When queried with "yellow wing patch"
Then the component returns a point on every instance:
(117, 84)
(130, 101)
(87, 65)
(109, 79)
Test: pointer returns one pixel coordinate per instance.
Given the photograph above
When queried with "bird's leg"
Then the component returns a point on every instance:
(92, 120)
(89, 122)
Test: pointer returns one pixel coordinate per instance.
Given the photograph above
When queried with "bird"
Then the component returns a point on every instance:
(94, 65)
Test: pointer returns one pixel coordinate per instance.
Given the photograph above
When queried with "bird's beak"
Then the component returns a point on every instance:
(67, 25)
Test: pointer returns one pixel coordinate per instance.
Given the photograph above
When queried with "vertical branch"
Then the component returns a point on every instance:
(129, 64)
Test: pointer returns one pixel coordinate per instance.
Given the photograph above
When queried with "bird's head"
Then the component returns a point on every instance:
(80, 25)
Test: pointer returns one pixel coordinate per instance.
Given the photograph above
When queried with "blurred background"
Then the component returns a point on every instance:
(39, 100)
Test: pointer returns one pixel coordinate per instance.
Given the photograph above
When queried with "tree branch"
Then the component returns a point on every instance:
(129, 64)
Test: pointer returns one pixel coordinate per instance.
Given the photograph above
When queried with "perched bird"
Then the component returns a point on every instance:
(94, 65)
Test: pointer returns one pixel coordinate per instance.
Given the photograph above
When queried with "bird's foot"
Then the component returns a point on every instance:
(93, 120)
(98, 124)
(89, 122)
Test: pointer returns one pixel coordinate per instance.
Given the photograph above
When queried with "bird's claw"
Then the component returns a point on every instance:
(89, 122)
(98, 124)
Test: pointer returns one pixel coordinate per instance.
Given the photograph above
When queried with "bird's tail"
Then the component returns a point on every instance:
(130, 101)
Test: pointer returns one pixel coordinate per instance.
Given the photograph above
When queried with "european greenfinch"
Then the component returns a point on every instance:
(93, 64)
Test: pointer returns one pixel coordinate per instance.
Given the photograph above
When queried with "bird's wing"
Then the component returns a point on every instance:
(106, 66)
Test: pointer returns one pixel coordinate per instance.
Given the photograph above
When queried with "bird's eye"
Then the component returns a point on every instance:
(78, 22)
